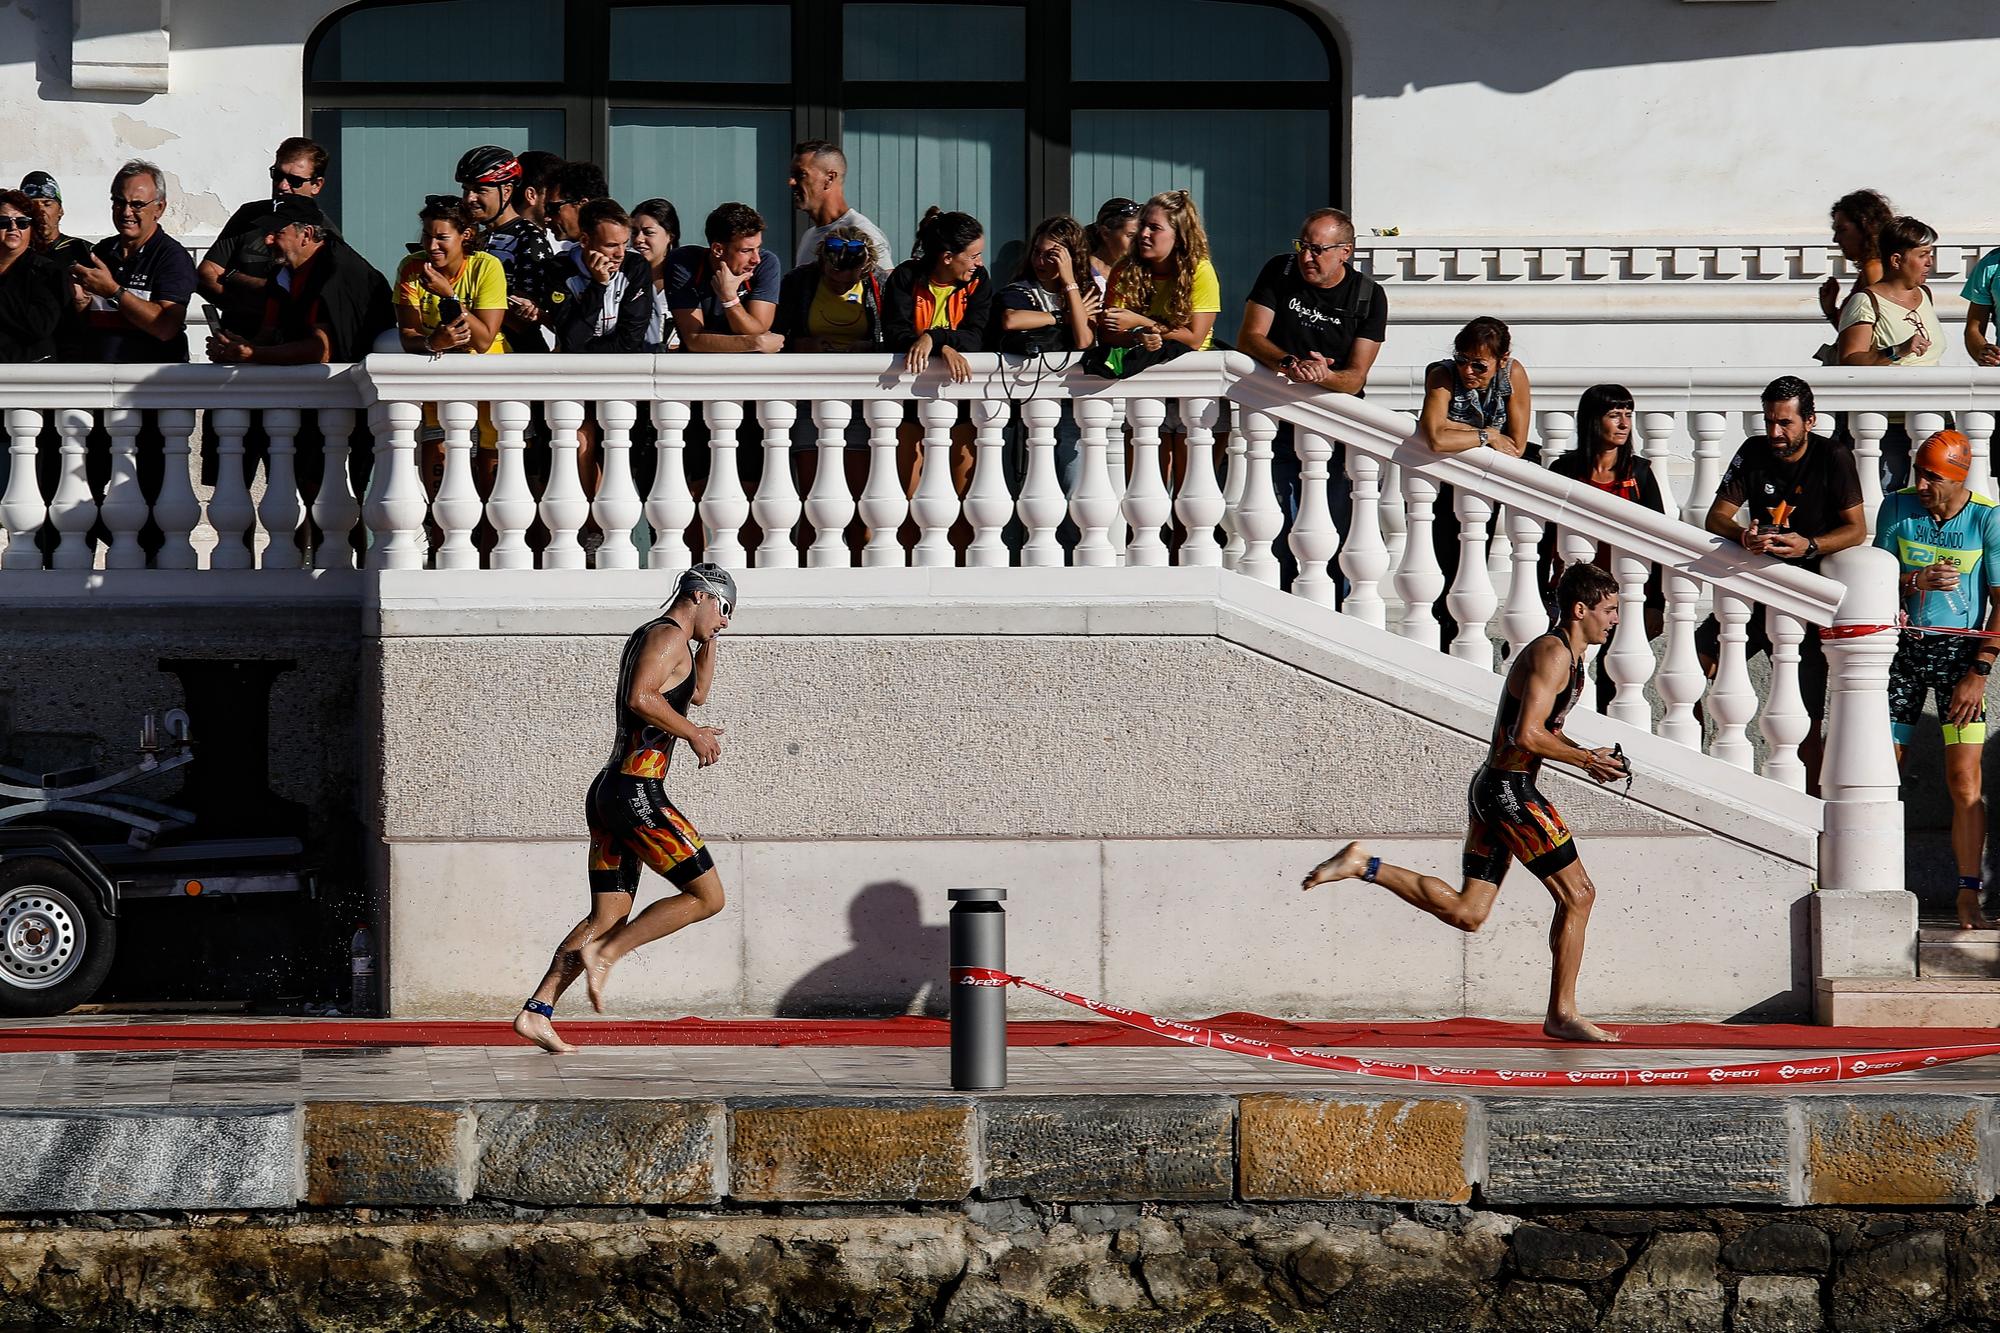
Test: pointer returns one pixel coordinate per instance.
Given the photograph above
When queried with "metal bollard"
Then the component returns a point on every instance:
(978, 1011)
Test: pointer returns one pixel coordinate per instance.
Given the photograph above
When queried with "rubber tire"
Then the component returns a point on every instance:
(100, 940)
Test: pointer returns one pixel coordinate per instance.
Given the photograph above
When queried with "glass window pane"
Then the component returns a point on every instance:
(901, 162)
(1182, 40)
(702, 43)
(1247, 170)
(935, 43)
(386, 161)
(700, 159)
(445, 41)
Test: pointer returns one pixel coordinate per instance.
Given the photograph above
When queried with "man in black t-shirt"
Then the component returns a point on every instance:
(1315, 320)
(133, 289)
(237, 269)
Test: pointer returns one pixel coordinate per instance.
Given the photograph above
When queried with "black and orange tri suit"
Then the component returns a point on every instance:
(1510, 818)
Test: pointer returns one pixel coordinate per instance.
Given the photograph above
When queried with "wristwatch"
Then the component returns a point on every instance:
(1982, 666)
(1812, 549)
(1484, 438)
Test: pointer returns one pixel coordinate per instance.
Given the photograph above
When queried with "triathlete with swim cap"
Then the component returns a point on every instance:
(667, 666)
(1511, 820)
(1946, 537)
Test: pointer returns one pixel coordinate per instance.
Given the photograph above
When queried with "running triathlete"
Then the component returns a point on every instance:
(1510, 818)
(667, 667)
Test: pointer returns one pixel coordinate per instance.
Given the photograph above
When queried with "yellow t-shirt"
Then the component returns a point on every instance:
(941, 305)
(838, 317)
(1896, 325)
(481, 285)
(1206, 298)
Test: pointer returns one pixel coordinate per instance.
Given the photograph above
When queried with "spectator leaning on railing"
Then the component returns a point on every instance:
(449, 300)
(940, 299)
(1480, 396)
(237, 268)
(1051, 305)
(326, 304)
(656, 234)
(489, 178)
(724, 295)
(1893, 322)
(135, 287)
(32, 288)
(819, 190)
(597, 296)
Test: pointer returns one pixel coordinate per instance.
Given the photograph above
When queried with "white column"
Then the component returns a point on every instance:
(1524, 616)
(177, 511)
(335, 509)
(1709, 430)
(1257, 513)
(1868, 429)
(1314, 539)
(395, 504)
(22, 509)
(883, 504)
(616, 506)
(1116, 439)
(1471, 599)
(1785, 723)
(1628, 659)
(935, 505)
(511, 506)
(1199, 505)
(1419, 579)
(777, 506)
(1558, 435)
(723, 503)
(1659, 431)
(1732, 702)
(229, 511)
(829, 508)
(564, 506)
(456, 508)
(1364, 556)
(670, 504)
(1680, 681)
(1395, 518)
(1978, 428)
(1093, 505)
(988, 504)
(1145, 506)
(282, 511)
(71, 509)
(1235, 464)
(1923, 425)
(1042, 503)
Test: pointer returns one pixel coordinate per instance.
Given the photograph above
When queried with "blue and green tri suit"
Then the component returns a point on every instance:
(1970, 541)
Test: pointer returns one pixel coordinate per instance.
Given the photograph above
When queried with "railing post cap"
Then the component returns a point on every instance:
(1869, 575)
(977, 895)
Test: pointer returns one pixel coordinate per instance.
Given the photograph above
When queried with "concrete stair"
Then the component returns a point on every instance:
(1957, 985)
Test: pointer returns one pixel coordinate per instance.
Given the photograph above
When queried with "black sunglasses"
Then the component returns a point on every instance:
(441, 200)
(296, 182)
(16, 223)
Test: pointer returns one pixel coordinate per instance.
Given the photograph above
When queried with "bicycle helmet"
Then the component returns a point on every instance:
(487, 165)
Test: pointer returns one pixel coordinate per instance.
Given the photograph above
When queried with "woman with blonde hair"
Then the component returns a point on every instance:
(1165, 290)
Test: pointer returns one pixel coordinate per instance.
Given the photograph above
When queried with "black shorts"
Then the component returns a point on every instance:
(1929, 664)
(1512, 821)
(632, 823)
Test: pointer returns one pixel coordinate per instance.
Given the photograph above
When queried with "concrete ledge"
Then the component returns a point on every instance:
(389, 1153)
(1343, 1147)
(862, 1151)
(144, 1159)
(601, 1152)
(1109, 1149)
(1906, 1150)
(1695, 1149)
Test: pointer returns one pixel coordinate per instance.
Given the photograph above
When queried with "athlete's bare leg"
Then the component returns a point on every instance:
(607, 911)
(1466, 908)
(1574, 893)
(700, 900)
(1962, 781)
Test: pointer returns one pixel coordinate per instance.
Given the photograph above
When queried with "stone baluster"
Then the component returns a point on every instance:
(564, 506)
(1042, 503)
(1117, 439)
(1395, 517)
(456, 508)
(335, 510)
(1660, 431)
(1628, 660)
(1199, 505)
(1681, 681)
(1419, 578)
(1145, 506)
(616, 506)
(1258, 514)
(1500, 555)
(1235, 464)
(124, 510)
(177, 511)
(777, 506)
(229, 511)
(1364, 556)
(1923, 425)
(1868, 429)
(1709, 430)
(988, 503)
(724, 506)
(395, 505)
(1558, 435)
(1785, 723)
(22, 509)
(1732, 702)
(1093, 505)
(282, 512)
(510, 508)
(830, 508)
(670, 504)
(1471, 600)
(71, 509)
(935, 505)
(883, 506)
(1314, 539)
(1978, 428)
(1524, 616)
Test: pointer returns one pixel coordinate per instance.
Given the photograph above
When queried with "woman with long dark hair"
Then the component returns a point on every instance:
(939, 300)
(1109, 239)
(656, 233)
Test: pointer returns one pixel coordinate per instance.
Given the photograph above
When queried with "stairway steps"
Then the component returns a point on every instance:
(1908, 1002)
(1947, 951)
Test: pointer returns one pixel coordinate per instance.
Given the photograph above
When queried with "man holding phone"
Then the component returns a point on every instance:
(325, 304)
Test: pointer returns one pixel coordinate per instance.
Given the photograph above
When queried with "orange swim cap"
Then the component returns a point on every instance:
(1947, 454)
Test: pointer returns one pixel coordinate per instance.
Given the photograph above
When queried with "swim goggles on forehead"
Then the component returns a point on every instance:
(844, 252)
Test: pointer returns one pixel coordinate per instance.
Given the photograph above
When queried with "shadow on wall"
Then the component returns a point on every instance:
(896, 964)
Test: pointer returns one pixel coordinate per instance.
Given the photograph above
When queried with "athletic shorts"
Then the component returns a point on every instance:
(1512, 820)
(632, 823)
(1927, 663)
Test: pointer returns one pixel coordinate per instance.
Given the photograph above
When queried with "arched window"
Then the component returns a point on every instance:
(1007, 109)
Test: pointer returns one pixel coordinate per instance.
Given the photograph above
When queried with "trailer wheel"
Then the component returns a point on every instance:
(56, 943)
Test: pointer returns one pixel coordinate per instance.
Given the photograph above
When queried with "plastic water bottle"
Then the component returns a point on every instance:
(361, 955)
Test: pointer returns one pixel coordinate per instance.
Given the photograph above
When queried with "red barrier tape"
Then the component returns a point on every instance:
(1903, 624)
(1805, 1069)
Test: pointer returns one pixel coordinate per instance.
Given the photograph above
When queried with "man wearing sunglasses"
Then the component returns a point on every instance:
(236, 271)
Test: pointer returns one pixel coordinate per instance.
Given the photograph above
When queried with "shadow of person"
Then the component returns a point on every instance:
(896, 964)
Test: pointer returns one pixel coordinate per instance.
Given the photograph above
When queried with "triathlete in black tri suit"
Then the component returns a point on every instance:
(1510, 818)
(667, 667)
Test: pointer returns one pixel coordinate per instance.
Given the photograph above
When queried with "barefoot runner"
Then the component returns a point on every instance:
(1510, 818)
(668, 665)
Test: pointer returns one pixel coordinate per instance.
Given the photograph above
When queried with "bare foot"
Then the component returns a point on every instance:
(1970, 917)
(540, 1031)
(594, 972)
(1347, 863)
(1577, 1029)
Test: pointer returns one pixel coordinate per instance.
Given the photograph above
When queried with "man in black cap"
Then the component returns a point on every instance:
(238, 267)
(47, 238)
(325, 303)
